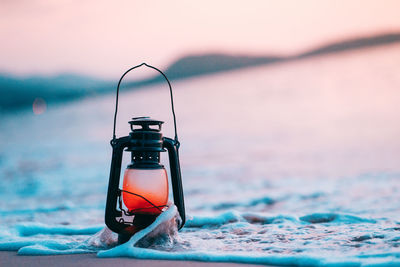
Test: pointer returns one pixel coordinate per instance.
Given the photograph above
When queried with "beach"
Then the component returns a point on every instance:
(11, 259)
(296, 167)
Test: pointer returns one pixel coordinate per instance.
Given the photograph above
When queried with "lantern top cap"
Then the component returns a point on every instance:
(145, 122)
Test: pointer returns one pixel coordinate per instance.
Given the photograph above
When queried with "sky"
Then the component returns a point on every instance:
(104, 38)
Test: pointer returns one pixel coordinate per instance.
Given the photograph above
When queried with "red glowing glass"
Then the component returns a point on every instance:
(150, 189)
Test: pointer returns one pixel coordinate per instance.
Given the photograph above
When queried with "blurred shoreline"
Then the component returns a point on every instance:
(22, 93)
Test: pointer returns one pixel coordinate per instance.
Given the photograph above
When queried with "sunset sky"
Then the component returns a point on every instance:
(103, 38)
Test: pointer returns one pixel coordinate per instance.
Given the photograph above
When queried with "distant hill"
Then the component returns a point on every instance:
(352, 44)
(18, 93)
(191, 66)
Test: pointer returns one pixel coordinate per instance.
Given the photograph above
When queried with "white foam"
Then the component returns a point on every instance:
(164, 227)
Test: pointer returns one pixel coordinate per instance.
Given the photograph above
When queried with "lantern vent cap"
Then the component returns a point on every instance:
(145, 123)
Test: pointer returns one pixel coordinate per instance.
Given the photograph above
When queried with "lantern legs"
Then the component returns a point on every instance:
(113, 193)
(176, 179)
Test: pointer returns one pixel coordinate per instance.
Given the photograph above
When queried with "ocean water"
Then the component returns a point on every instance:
(288, 164)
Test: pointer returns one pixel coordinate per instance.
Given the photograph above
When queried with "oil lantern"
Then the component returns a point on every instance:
(144, 193)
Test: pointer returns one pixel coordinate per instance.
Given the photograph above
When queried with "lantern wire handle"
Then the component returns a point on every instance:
(170, 92)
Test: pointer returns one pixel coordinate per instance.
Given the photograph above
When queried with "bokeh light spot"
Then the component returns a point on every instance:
(39, 106)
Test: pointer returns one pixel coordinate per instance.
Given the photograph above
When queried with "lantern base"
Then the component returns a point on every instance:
(123, 238)
(140, 221)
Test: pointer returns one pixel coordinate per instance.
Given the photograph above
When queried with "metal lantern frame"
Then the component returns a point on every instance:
(145, 145)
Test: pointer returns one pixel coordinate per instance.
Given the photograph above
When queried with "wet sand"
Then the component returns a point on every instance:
(11, 259)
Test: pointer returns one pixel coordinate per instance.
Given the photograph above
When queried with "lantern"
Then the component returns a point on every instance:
(144, 190)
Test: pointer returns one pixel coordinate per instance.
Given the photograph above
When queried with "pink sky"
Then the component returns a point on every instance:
(103, 38)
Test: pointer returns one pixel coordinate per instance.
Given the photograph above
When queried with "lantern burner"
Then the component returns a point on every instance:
(146, 143)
